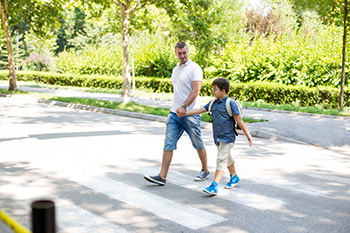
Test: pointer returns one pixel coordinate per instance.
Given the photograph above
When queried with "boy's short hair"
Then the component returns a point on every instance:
(222, 83)
(181, 45)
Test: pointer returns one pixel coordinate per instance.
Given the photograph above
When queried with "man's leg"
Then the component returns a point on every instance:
(167, 157)
(172, 135)
(203, 157)
(192, 125)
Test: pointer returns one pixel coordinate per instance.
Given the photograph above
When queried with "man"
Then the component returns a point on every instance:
(187, 79)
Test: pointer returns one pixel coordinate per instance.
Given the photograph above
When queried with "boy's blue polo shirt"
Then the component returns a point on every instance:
(222, 123)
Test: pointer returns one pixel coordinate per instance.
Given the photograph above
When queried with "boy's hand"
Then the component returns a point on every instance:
(250, 140)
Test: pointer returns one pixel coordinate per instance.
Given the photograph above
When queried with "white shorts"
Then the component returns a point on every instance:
(224, 158)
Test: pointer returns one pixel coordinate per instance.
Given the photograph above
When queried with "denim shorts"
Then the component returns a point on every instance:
(175, 126)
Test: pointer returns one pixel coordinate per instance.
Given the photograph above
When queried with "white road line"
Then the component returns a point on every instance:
(284, 183)
(331, 178)
(69, 217)
(238, 195)
(179, 213)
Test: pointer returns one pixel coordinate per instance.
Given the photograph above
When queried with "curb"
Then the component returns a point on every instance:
(144, 116)
(5, 95)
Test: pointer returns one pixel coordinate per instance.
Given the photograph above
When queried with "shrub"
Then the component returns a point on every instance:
(37, 62)
(293, 58)
(100, 60)
(326, 97)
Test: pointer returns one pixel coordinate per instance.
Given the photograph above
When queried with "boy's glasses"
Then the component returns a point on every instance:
(214, 89)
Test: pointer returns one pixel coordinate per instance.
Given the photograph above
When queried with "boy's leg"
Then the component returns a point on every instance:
(218, 176)
(223, 156)
(232, 169)
(234, 179)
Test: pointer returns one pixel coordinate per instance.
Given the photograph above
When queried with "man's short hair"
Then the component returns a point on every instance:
(222, 83)
(181, 45)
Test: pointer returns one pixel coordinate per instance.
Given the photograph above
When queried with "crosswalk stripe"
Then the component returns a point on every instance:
(239, 196)
(179, 213)
(331, 178)
(69, 217)
(285, 183)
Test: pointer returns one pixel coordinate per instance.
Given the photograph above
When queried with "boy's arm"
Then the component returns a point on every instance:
(196, 111)
(244, 128)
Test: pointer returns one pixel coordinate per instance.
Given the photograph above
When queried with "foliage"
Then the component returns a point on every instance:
(296, 58)
(154, 56)
(72, 23)
(40, 16)
(271, 19)
(19, 50)
(195, 21)
(37, 62)
(96, 60)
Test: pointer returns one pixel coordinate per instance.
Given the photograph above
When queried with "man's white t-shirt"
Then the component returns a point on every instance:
(182, 78)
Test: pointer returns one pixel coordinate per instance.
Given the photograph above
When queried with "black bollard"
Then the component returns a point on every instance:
(43, 217)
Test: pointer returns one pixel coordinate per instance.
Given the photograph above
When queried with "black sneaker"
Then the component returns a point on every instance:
(203, 175)
(155, 179)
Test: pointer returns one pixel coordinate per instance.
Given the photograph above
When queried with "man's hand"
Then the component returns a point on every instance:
(181, 111)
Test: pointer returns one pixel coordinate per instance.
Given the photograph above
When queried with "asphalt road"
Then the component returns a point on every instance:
(92, 165)
(319, 130)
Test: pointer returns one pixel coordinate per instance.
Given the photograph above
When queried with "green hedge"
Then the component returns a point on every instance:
(327, 97)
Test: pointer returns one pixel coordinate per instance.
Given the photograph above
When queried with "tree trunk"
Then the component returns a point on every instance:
(11, 65)
(125, 44)
(132, 64)
(344, 56)
(206, 60)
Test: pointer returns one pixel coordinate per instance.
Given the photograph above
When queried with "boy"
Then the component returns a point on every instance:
(224, 136)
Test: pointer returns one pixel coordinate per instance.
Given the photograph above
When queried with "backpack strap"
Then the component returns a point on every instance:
(229, 111)
(228, 106)
(210, 105)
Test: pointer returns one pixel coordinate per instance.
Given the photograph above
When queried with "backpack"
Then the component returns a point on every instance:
(229, 111)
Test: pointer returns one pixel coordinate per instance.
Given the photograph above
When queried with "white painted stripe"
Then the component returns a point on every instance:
(237, 195)
(179, 213)
(284, 183)
(69, 217)
(331, 178)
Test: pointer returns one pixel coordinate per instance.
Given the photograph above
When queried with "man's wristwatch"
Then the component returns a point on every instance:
(184, 105)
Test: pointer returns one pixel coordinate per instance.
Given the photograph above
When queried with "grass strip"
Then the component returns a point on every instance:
(147, 93)
(297, 108)
(132, 107)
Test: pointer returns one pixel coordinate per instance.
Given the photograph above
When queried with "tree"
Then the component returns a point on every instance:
(344, 56)
(332, 12)
(127, 9)
(196, 21)
(40, 16)
(72, 24)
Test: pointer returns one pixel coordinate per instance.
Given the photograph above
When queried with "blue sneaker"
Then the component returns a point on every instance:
(233, 181)
(212, 189)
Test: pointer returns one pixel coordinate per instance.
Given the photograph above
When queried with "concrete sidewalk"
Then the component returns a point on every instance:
(319, 130)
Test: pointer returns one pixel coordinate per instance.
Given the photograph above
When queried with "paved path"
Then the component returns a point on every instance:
(319, 130)
(92, 165)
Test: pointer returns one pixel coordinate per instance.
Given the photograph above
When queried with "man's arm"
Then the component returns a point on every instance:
(196, 86)
(244, 128)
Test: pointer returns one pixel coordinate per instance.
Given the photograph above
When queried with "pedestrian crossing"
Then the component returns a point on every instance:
(72, 218)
